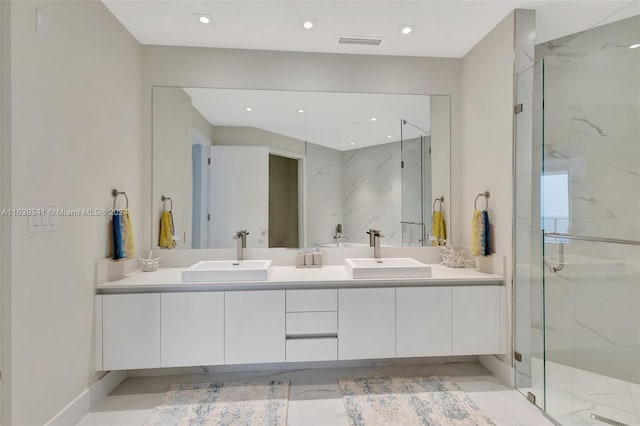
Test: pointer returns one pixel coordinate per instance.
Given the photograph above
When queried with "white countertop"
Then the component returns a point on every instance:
(290, 277)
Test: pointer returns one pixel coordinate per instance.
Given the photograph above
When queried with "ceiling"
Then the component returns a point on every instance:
(441, 28)
(331, 119)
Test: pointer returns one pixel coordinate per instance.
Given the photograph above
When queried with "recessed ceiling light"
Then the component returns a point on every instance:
(301, 111)
(373, 119)
(203, 18)
(388, 136)
(634, 46)
(248, 109)
(406, 29)
(352, 143)
(307, 24)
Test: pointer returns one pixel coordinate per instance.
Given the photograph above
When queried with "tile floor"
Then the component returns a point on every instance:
(314, 398)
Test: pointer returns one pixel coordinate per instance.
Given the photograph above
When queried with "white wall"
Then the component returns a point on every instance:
(252, 136)
(201, 125)
(229, 68)
(5, 304)
(76, 128)
(441, 165)
(486, 154)
(324, 193)
(173, 124)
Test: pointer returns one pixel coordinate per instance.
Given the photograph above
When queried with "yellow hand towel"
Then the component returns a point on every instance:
(127, 234)
(477, 233)
(166, 231)
(438, 229)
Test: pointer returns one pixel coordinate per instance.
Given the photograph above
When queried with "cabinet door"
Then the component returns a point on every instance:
(254, 326)
(130, 331)
(423, 321)
(192, 329)
(366, 323)
(476, 320)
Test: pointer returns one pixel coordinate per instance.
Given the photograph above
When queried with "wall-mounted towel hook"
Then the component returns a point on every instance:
(115, 193)
(164, 203)
(441, 200)
(486, 195)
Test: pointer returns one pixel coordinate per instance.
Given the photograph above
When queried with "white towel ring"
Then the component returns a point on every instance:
(115, 194)
(486, 195)
(441, 200)
(164, 203)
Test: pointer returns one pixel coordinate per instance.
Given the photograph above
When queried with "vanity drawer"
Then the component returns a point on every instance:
(312, 300)
(316, 349)
(310, 323)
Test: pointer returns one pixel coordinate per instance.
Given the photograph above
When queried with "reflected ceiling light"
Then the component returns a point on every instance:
(248, 109)
(373, 119)
(352, 143)
(307, 25)
(300, 111)
(406, 29)
(634, 46)
(203, 18)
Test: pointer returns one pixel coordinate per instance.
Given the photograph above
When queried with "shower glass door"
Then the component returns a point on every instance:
(577, 226)
(416, 184)
(591, 224)
(528, 289)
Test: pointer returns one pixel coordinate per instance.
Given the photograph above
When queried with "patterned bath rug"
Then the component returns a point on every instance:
(409, 401)
(249, 403)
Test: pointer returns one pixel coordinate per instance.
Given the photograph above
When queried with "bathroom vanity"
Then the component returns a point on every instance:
(151, 320)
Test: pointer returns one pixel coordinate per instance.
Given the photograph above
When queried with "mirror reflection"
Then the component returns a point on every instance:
(296, 169)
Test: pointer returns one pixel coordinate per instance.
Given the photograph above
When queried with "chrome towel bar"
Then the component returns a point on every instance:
(592, 239)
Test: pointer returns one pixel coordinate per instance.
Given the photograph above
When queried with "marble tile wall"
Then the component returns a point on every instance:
(372, 193)
(591, 132)
(360, 188)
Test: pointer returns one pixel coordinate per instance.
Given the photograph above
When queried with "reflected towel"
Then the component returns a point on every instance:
(166, 230)
(127, 234)
(117, 238)
(438, 229)
(477, 234)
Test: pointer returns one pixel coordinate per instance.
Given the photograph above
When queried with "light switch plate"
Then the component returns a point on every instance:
(45, 222)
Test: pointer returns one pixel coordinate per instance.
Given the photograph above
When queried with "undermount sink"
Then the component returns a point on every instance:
(227, 270)
(403, 267)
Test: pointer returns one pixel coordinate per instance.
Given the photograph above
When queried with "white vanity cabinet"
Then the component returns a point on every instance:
(254, 323)
(130, 331)
(477, 326)
(192, 329)
(312, 325)
(423, 321)
(366, 323)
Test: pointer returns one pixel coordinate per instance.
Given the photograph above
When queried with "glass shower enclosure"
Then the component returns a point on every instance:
(416, 184)
(577, 227)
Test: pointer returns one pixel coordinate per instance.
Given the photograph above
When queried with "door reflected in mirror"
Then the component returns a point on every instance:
(290, 166)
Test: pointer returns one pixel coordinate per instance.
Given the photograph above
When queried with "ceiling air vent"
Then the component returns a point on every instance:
(359, 40)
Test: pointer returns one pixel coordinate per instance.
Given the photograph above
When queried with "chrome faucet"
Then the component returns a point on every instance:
(337, 235)
(241, 243)
(374, 241)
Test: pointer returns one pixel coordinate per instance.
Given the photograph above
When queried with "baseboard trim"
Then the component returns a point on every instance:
(503, 372)
(82, 404)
